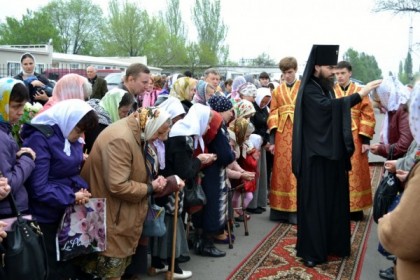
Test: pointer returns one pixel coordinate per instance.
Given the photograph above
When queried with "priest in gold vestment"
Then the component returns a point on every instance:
(363, 128)
(282, 196)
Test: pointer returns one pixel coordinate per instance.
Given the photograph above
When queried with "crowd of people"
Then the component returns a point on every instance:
(299, 146)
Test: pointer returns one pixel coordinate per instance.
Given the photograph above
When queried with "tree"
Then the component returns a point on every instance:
(405, 71)
(365, 67)
(211, 31)
(34, 28)
(78, 23)
(397, 6)
(263, 59)
(127, 30)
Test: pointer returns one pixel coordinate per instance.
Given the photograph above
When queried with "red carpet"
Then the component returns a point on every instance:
(275, 256)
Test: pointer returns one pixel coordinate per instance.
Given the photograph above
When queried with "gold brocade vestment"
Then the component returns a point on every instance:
(363, 123)
(283, 182)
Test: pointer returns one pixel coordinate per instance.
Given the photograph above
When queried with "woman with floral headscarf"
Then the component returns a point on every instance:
(184, 89)
(16, 164)
(237, 82)
(55, 183)
(398, 231)
(391, 97)
(243, 109)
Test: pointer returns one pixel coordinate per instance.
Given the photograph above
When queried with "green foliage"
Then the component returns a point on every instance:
(263, 60)
(33, 28)
(211, 31)
(365, 67)
(78, 23)
(405, 71)
(127, 30)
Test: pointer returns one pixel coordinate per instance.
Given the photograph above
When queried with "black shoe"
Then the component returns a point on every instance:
(254, 210)
(387, 274)
(212, 251)
(309, 263)
(262, 208)
(183, 259)
(357, 216)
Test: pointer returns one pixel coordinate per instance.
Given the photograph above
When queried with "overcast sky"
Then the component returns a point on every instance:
(290, 27)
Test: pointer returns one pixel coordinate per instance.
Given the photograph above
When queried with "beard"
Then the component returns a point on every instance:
(326, 82)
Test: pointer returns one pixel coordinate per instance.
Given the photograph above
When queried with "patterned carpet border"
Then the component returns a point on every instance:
(275, 257)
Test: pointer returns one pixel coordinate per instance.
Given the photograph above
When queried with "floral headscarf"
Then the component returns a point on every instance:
(248, 89)
(181, 88)
(244, 109)
(151, 119)
(194, 123)
(414, 113)
(111, 102)
(66, 114)
(6, 86)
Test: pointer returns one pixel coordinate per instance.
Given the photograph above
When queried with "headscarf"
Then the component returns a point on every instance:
(27, 74)
(6, 87)
(237, 82)
(70, 86)
(151, 119)
(173, 106)
(256, 141)
(414, 113)
(261, 93)
(220, 103)
(111, 102)
(392, 93)
(200, 96)
(66, 114)
(181, 88)
(244, 109)
(193, 124)
(248, 89)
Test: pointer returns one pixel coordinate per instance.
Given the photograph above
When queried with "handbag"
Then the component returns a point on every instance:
(82, 229)
(154, 225)
(194, 194)
(25, 255)
(386, 192)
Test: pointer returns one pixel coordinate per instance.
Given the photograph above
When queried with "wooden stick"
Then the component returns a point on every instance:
(171, 273)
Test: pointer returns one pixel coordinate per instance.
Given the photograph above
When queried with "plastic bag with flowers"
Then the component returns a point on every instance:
(82, 230)
(29, 111)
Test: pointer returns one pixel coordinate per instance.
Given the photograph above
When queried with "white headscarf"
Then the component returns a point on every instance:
(194, 123)
(66, 114)
(256, 141)
(173, 106)
(392, 93)
(261, 93)
(414, 113)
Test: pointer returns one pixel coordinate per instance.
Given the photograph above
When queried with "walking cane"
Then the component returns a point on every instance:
(170, 274)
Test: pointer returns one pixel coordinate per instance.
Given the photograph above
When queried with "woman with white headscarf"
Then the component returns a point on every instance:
(392, 96)
(398, 230)
(184, 137)
(174, 107)
(55, 183)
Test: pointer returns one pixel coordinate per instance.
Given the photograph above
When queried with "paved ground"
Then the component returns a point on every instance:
(205, 268)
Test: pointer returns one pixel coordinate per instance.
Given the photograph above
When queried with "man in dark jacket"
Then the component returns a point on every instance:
(321, 150)
(99, 85)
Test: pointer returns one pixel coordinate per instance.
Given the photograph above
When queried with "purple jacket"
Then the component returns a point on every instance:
(55, 179)
(15, 170)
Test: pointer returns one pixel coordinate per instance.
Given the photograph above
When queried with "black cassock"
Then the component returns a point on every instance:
(322, 147)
